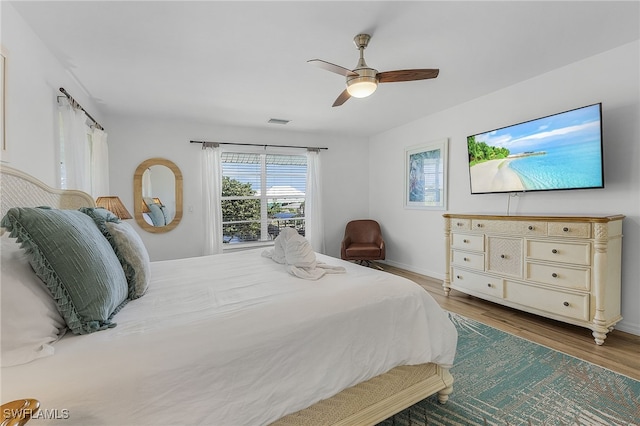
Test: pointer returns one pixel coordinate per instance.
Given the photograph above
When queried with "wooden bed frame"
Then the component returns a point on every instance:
(367, 403)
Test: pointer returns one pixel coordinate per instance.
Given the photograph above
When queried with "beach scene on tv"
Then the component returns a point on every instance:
(562, 151)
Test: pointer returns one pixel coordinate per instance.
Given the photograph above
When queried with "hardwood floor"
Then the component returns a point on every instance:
(620, 352)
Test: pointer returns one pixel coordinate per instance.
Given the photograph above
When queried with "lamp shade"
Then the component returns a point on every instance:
(114, 205)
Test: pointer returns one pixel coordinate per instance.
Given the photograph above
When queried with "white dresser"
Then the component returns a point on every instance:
(562, 267)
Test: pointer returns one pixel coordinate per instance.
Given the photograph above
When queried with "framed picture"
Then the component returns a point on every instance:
(426, 176)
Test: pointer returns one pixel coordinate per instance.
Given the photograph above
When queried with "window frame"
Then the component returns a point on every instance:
(265, 238)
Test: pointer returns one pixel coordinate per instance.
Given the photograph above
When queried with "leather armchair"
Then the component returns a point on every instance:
(362, 241)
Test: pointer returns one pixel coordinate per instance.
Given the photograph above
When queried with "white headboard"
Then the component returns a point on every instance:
(18, 189)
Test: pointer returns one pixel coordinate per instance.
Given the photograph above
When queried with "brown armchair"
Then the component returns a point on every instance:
(363, 242)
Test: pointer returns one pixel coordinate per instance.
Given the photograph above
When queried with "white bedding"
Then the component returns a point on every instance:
(245, 346)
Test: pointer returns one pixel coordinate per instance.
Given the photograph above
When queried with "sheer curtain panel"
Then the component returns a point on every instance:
(313, 204)
(211, 198)
(75, 152)
(99, 163)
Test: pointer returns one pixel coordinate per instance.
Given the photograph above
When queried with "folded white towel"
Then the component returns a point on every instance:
(293, 250)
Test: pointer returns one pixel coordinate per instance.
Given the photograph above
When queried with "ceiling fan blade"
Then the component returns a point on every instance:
(344, 96)
(407, 75)
(332, 67)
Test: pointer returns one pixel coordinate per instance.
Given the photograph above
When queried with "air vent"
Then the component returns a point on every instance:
(277, 121)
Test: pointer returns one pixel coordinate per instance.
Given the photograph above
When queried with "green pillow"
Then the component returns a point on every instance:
(75, 261)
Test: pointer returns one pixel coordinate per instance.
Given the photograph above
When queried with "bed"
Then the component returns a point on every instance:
(230, 339)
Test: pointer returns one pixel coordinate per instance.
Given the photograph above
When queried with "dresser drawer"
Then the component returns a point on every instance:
(531, 229)
(559, 276)
(570, 305)
(570, 229)
(468, 242)
(578, 253)
(461, 224)
(468, 260)
(477, 283)
(504, 255)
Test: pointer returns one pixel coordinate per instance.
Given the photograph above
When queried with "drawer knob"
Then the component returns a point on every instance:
(565, 303)
(502, 256)
(466, 259)
(489, 285)
(459, 224)
(554, 275)
(554, 251)
(465, 241)
(459, 277)
(565, 229)
(479, 225)
(530, 228)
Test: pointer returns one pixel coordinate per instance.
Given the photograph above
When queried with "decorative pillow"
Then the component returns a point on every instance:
(75, 261)
(100, 216)
(157, 215)
(29, 319)
(133, 255)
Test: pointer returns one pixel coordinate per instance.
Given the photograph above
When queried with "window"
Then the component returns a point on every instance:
(261, 194)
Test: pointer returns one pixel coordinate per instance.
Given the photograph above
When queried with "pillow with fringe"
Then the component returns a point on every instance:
(134, 256)
(128, 247)
(75, 261)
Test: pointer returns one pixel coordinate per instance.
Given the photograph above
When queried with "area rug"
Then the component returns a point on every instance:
(501, 379)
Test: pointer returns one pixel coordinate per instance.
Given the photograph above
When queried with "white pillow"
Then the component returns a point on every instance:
(29, 319)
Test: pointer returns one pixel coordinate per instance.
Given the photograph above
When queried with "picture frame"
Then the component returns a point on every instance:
(426, 176)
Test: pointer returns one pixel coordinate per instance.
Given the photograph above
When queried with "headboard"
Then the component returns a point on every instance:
(18, 189)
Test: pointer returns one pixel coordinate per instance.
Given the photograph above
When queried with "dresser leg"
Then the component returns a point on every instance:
(599, 336)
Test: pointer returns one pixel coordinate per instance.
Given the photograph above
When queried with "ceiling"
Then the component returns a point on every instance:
(240, 63)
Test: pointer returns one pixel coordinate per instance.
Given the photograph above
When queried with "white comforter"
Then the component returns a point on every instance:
(234, 339)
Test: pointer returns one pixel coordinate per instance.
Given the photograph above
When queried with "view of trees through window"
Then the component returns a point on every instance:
(261, 194)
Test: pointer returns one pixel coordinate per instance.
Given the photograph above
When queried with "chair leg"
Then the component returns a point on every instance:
(369, 264)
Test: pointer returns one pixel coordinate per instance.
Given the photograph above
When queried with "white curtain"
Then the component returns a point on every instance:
(99, 164)
(314, 227)
(76, 153)
(147, 190)
(211, 198)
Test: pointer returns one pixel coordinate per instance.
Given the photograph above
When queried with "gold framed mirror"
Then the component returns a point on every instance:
(157, 195)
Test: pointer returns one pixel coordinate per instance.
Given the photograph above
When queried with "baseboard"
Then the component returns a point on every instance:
(629, 328)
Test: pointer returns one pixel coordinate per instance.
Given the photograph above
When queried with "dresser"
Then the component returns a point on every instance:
(562, 267)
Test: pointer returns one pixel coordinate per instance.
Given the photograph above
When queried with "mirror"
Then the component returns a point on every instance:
(157, 195)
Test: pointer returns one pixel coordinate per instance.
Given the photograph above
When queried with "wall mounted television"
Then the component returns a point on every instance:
(558, 152)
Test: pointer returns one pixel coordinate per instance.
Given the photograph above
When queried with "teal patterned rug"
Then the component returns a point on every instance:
(501, 379)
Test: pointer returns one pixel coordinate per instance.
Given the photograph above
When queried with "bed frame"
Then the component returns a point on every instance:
(367, 403)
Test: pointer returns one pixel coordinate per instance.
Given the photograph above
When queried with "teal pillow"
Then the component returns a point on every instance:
(157, 215)
(75, 261)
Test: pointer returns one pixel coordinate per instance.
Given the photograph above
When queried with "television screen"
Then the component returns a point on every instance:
(560, 151)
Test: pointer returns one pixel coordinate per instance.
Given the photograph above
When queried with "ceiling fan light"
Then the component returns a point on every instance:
(362, 87)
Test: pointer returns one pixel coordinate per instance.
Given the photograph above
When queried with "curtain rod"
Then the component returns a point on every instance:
(259, 144)
(75, 104)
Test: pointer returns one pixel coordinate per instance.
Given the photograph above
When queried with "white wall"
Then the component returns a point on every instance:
(135, 139)
(33, 79)
(415, 238)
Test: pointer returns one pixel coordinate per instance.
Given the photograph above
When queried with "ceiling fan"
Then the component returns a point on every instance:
(363, 80)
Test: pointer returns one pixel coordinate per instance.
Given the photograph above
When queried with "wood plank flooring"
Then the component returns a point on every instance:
(620, 352)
